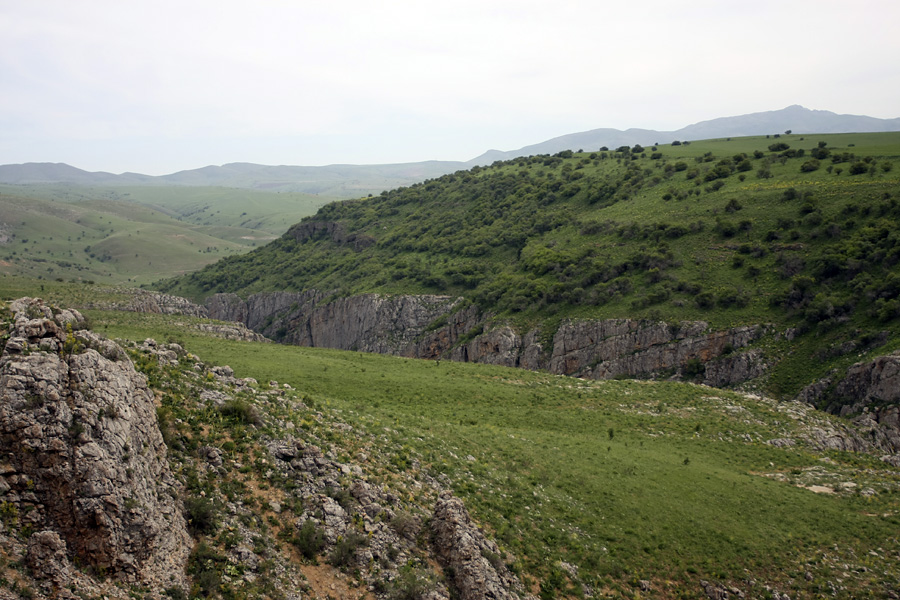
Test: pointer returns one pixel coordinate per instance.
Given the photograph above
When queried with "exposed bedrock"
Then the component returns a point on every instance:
(444, 327)
(82, 460)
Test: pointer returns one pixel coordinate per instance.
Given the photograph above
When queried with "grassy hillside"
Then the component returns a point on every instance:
(599, 485)
(135, 234)
(798, 231)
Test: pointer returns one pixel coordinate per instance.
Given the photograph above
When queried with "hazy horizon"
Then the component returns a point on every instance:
(161, 87)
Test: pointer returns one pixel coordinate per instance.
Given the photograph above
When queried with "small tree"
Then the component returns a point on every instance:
(858, 168)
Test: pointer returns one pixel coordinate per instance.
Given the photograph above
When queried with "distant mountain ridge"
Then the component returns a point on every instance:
(332, 180)
(796, 118)
(344, 180)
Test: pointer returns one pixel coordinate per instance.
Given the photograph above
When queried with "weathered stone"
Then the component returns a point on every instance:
(46, 557)
(159, 303)
(875, 381)
(80, 432)
(461, 548)
(431, 327)
(871, 391)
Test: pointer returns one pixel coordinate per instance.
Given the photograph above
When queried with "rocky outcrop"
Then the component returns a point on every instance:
(368, 323)
(332, 230)
(82, 460)
(138, 300)
(474, 562)
(439, 339)
(866, 383)
(265, 313)
(630, 348)
(870, 393)
(501, 345)
(433, 327)
(166, 304)
(232, 331)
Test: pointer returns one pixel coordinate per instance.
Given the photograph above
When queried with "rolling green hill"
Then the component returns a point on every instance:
(796, 231)
(135, 234)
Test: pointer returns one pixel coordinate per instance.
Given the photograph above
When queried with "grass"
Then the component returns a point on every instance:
(139, 234)
(625, 480)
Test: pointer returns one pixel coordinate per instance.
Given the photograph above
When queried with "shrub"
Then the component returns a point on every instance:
(858, 168)
(240, 411)
(733, 206)
(704, 300)
(693, 369)
(345, 549)
(204, 564)
(309, 540)
(809, 166)
(411, 584)
(778, 147)
(201, 514)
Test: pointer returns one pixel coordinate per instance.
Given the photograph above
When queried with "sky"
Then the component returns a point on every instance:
(162, 86)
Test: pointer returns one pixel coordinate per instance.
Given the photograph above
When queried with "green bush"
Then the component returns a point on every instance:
(809, 166)
(411, 584)
(240, 411)
(859, 168)
(309, 540)
(201, 514)
(693, 369)
(345, 549)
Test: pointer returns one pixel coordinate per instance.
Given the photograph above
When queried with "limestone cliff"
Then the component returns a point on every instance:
(82, 460)
(443, 327)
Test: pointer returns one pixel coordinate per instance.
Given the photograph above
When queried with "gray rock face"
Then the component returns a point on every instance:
(433, 327)
(873, 382)
(151, 302)
(263, 313)
(368, 323)
(625, 347)
(236, 331)
(463, 550)
(166, 304)
(871, 391)
(46, 557)
(81, 454)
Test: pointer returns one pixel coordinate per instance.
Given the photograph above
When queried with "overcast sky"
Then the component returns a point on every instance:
(160, 86)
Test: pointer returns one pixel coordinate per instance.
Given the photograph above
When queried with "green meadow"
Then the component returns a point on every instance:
(136, 234)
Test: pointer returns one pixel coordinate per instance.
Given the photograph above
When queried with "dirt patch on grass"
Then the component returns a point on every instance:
(327, 582)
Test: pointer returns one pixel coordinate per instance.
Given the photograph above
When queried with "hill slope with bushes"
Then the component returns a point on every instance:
(795, 231)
